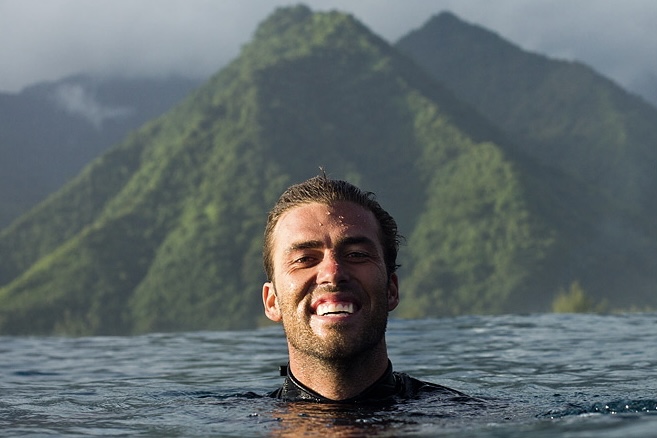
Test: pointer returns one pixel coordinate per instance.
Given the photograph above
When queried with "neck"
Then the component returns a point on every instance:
(339, 379)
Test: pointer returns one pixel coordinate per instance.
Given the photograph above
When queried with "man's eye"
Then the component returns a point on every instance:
(357, 255)
(304, 260)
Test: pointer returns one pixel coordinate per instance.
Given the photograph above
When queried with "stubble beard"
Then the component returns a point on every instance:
(343, 346)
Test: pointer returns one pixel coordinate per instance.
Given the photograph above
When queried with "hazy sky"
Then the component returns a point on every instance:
(49, 39)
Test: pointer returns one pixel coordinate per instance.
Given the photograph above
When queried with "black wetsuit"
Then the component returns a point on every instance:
(391, 387)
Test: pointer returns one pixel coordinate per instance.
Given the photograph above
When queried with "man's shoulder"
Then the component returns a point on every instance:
(411, 387)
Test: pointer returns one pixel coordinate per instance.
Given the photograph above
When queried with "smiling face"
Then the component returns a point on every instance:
(330, 288)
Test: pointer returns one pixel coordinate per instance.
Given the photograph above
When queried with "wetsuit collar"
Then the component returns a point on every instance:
(383, 390)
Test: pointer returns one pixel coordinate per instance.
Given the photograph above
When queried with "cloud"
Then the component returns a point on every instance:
(47, 40)
(76, 100)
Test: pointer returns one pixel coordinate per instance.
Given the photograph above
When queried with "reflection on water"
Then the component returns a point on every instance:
(298, 419)
(420, 416)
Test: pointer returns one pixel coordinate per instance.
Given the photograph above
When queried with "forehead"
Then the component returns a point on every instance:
(316, 220)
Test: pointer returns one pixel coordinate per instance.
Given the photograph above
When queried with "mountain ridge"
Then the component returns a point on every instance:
(164, 231)
(517, 93)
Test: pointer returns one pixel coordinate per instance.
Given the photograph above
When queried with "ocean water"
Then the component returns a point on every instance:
(540, 375)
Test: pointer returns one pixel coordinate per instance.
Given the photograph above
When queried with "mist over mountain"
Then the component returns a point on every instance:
(164, 230)
(49, 131)
(646, 87)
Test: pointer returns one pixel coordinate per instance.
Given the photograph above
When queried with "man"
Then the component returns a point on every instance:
(330, 256)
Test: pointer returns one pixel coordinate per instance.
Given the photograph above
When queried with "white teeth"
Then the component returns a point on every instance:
(326, 308)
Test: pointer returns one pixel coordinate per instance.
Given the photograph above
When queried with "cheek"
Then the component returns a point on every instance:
(293, 284)
(289, 291)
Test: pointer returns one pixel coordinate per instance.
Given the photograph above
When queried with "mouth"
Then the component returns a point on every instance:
(335, 304)
(334, 308)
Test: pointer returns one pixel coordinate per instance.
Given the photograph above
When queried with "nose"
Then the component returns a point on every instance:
(330, 270)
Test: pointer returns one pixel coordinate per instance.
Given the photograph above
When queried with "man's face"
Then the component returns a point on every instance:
(330, 288)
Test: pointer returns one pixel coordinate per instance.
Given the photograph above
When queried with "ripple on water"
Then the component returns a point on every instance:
(542, 375)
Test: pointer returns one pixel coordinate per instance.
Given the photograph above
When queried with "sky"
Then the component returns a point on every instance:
(45, 40)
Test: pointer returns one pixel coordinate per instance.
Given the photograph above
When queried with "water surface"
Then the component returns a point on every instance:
(541, 375)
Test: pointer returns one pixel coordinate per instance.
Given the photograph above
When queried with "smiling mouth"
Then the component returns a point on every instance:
(335, 309)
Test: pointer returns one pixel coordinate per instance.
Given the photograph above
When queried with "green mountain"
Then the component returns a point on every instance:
(164, 231)
(565, 117)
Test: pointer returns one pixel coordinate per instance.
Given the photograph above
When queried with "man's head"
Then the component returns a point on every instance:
(330, 252)
(323, 190)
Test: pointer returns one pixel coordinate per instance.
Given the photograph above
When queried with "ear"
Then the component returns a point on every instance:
(393, 292)
(270, 302)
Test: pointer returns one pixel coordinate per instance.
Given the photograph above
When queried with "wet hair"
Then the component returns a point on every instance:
(324, 190)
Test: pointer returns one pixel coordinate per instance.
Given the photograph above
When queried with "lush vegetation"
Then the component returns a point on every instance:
(164, 231)
(575, 300)
(594, 142)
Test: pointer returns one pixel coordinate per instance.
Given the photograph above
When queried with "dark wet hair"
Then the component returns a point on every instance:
(327, 191)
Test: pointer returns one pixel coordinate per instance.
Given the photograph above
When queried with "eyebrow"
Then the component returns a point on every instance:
(309, 244)
(313, 244)
(357, 240)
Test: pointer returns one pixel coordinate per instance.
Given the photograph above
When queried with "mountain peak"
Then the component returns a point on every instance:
(448, 30)
(282, 19)
(297, 30)
(445, 17)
